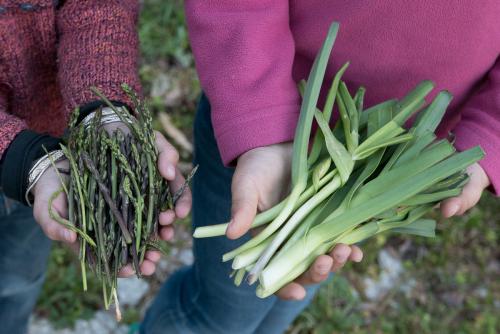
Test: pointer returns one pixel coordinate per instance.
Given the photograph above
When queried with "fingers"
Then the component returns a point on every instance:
(147, 267)
(244, 206)
(168, 157)
(183, 204)
(166, 219)
(167, 233)
(356, 254)
(153, 256)
(340, 254)
(126, 271)
(324, 264)
(52, 229)
(471, 194)
(318, 271)
(292, 291)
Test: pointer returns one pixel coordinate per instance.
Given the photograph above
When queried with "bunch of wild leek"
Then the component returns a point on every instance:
(115, 193)
(366, 176)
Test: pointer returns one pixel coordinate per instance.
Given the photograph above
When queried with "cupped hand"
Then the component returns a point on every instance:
(50, 182)
(260, 181)
(471, 194)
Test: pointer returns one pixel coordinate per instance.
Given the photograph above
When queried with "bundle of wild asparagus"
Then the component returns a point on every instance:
(366, 176)
(115, 192)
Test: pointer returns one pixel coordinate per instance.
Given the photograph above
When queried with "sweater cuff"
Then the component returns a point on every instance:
(241, 134)
(17, 161)
(468, 135)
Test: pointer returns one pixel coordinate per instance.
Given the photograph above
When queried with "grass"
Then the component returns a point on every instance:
(62, 299)
(457, 288)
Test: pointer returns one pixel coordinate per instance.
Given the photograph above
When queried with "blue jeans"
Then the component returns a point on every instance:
(24, 251)
(201, 298)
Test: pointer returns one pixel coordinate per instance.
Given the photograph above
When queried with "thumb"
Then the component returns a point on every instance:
(244, 206)
(471, 193)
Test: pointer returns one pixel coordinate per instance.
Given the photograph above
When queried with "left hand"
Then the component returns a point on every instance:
(470, 195)
(320, 270)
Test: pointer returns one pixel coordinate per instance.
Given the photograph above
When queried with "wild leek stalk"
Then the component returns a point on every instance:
(115, 193)
(367, 175)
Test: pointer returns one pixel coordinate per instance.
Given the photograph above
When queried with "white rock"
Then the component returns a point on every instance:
(391, 269)
(131, 290)
(101, 323)
(186, 257)
(496, 303)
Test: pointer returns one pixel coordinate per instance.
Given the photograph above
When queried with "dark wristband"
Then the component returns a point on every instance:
(18, 159)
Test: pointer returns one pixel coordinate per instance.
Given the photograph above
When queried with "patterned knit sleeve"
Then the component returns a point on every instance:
(98, 46)
(10, 125)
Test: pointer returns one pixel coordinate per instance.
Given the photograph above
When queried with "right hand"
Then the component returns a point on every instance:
(49, 183)
(260, 181)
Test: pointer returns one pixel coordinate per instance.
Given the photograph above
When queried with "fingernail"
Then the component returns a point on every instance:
(230, 227)
(323, 270)
(454, 209)
(170, 172)
(67, 235)
(340, 257)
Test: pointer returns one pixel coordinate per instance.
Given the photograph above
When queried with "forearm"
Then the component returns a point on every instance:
(244, 54)
(480, 124)
(98, 47)
(18, 158)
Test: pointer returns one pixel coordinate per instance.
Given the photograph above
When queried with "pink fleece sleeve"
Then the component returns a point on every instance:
(480, 125)
(244, 53)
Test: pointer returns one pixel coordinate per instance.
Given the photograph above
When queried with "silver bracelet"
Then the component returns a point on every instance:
(40, 166)
(107, 116)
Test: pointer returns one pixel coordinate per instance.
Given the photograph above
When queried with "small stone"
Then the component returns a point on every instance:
(481, 292)
(408, 286)
(131, 290)
(391, 269)
(186, 257)
(496, 303)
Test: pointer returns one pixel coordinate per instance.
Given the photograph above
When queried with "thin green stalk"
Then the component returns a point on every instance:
(249, 257)
(331, 228)
(276, 223)
(263, 217)
(107, 197)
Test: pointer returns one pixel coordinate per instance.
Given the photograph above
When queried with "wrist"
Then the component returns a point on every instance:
(39, 168)
(23, 151)
(283, 150)
(107, 115)
(93, 106)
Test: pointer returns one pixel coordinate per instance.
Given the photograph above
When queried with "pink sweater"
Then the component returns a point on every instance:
(250, 54)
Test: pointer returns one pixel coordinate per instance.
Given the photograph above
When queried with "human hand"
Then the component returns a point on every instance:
(471, 194)
(50, 182)
(168, 157)
(260, 181)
